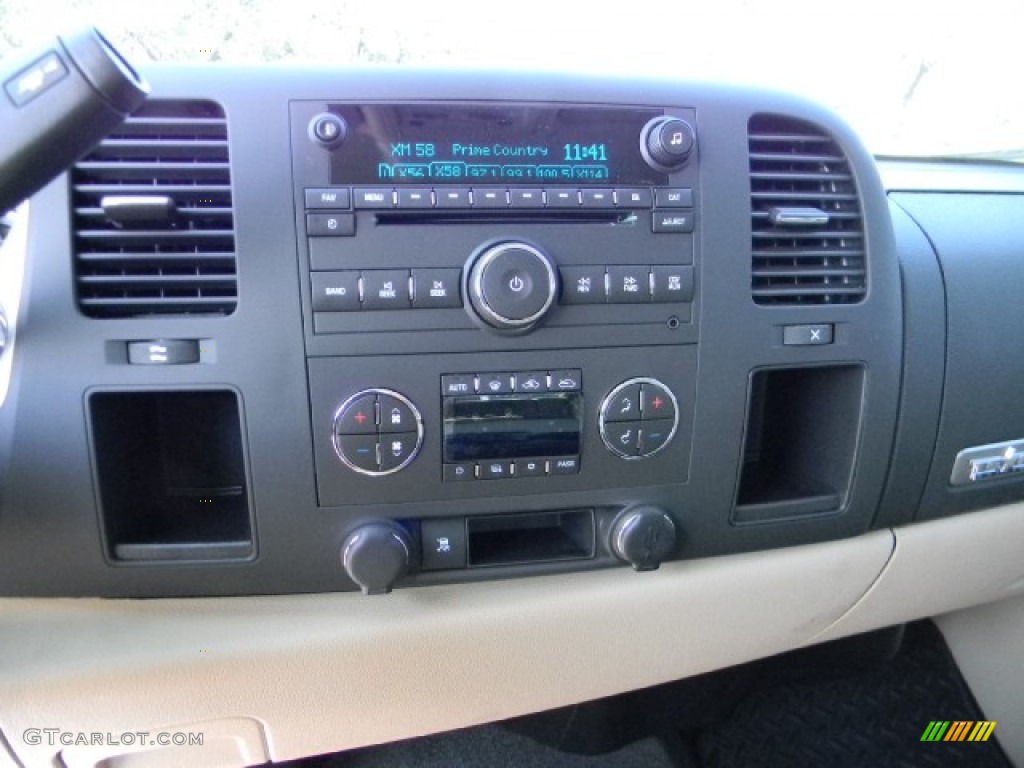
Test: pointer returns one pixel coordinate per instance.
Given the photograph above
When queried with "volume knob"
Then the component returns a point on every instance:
(666, 143)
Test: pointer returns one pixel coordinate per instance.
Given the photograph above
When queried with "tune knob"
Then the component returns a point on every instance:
(375, 556)
(666, 143)
(643, 537)
(511, 285)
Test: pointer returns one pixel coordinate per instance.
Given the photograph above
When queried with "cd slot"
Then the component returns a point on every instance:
(402, 218)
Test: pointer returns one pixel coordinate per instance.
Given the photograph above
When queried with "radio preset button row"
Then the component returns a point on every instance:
(511, 469)
(351, 290)
(502, 383)
(617, 284)
(379, 198)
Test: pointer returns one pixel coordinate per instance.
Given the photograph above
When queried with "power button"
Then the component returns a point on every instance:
(512, 285)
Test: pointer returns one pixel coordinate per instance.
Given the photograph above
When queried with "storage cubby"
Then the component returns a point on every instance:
(800, 442)
(535, 537)
(171, 473)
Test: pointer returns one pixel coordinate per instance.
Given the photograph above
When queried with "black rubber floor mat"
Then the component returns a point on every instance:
(490, 746)
(873, 719)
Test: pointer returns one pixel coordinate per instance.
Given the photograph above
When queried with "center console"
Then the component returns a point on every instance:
(523, 257)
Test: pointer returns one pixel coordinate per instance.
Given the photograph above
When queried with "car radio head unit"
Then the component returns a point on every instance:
(478, 144)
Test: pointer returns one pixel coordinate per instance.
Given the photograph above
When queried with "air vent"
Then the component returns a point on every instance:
(808, 235)
(153, 222)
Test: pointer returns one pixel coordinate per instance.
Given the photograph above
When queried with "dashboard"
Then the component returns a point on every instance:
(507, 346)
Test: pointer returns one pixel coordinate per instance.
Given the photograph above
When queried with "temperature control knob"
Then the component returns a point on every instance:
(643, 537)
(377, 432)
(511, 285)
(638, 418)
(375, 556)
(666, 143)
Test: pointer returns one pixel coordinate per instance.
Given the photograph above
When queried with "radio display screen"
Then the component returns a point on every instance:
(512, 426)
(481, 144)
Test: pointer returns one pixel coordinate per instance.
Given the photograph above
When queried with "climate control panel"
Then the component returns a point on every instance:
(436, 430)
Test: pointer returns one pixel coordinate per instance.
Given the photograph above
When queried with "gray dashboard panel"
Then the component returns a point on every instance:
(50, 506)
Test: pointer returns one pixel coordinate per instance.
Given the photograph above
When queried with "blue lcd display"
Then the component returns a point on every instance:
(471, 144)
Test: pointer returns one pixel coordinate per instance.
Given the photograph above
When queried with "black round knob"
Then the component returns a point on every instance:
(328, 130)
(643, 537)
(666, 143)
(375, 556)
(511, 285)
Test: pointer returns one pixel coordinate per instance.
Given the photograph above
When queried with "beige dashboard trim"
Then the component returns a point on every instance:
(942, 566)
(330, 672)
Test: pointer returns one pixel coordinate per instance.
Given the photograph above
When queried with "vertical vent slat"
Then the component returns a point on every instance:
(180, 262)
(807, 228)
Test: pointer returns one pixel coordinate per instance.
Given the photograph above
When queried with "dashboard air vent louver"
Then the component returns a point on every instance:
(808, 234)
(153, 220)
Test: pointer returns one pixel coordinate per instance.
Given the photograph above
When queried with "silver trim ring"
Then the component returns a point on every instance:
(390, 393)
(476, 290)
(607, 398)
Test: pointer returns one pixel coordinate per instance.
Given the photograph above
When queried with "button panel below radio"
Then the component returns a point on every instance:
(509, 469)
(529, 382)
